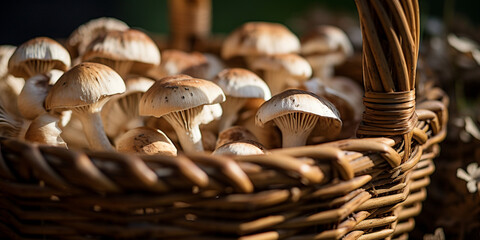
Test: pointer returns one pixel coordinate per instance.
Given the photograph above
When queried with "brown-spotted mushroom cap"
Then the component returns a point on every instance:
(129, 51)
(78, 41)
(38, 56)
(325, 47)
(239, 85)
(145, 140)
(296, 113)
(180, 99)
(85, 89)
(283, 69)
(260, 38)
(243, 147)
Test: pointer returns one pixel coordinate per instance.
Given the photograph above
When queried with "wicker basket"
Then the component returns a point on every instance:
(366, 188)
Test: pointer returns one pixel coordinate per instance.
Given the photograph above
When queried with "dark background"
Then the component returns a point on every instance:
(21, 20)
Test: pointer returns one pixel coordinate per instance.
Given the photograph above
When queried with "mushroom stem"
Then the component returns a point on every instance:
(31, 98)
(190, 140)
(275, 80)
(93, 128)
(230, 111)
(296, 127)
(187, 128)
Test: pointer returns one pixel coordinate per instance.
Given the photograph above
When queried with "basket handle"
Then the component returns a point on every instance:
(391, 38)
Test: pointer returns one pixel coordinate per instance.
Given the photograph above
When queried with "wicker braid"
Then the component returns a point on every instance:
(390, 53)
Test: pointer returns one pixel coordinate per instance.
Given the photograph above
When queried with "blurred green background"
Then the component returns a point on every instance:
(24, 19)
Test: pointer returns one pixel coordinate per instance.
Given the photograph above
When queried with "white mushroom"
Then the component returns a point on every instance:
(85, 89)
(239, 85)
(324, 48)
(246, 147)
(296, 113)
(127, 52)
(180, 99)
(145, 140)
(282, 70)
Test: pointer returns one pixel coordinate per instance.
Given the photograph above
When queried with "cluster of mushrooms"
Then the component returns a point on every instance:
(108, 88)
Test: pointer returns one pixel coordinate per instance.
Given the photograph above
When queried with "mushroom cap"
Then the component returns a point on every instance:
(351, 92)
(85, 33)
(260, 38)
(215, 65)
(85, 84)
(41, 49)
(233, 134)
(242, 83)
(134, 83)
(174, 62)
(295, 65)
(129, 45)
(294, 100)
(326, 39)
(6, 52)
(145, 140)
(243, 147)
(179, 92)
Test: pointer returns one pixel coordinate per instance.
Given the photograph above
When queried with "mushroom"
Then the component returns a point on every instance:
(127, 52)
(78, 41)
(239, 85)
(174, 62)
(347, 96)
(85, 89)
(35, 61)
(282, 70)
(296, 113)
(268, 135)
(244, 147)
(260, 38)
(325, 47)
(31, 99)
(215, 65)
(145, 140)
(121, 112)
(180, 99)
(233, 134)
(45, 129)
(38, 56)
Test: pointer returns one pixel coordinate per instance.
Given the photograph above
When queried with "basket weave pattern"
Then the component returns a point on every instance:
(343, 188)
